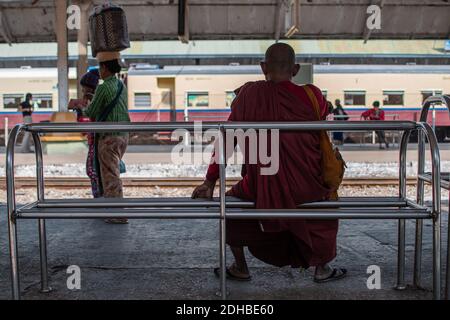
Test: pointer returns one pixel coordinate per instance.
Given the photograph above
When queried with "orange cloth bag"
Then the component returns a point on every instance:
(333, 165)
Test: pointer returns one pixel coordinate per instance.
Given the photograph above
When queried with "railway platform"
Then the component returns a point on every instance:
(173, 259)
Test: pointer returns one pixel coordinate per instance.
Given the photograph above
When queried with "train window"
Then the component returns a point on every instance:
(142, 99)
(43, 101)
(198, 99)
(355, 98)
(229, 97)
(429, 93)
(12, 101)
(393, 98)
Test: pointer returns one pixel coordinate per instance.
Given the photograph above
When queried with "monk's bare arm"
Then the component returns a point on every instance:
(206, 189)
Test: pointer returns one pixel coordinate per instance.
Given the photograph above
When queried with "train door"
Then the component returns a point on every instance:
(167, 101)
(166, 87)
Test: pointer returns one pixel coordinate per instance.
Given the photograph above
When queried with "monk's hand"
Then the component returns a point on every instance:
(205, 190)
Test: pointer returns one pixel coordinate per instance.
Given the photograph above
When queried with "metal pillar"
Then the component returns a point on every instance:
(83, 37)
(62, 63)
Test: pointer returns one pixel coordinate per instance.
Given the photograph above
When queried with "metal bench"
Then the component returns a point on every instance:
(423, 177)
(398, 207)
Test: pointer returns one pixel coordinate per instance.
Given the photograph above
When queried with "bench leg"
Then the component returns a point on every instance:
(401, 256)
(419, 225)
(12, 233)
(447, 269)
(223, 274)
(45, 288)
(437, 257)
(418, 254)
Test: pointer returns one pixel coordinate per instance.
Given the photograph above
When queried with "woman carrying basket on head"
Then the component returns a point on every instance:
(110, 104)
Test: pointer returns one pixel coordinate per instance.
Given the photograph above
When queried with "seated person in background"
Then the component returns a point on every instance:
(280, 242)
(376, 114)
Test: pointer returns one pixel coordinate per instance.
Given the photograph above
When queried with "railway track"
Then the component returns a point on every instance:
(185, 182)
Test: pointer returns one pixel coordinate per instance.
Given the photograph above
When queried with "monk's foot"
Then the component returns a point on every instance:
(235, 273)
(241, 272)
(326, 274)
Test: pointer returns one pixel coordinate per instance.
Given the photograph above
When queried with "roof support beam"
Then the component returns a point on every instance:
(183, 21)
(62, 64)
(5, 31)
(279, 18)
(82, 41)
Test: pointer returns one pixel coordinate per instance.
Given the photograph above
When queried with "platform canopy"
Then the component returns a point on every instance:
(34, 20)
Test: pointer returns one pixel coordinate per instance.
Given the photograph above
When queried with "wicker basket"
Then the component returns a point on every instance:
(108, 30)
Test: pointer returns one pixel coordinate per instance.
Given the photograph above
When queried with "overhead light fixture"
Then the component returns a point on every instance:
(292, 18)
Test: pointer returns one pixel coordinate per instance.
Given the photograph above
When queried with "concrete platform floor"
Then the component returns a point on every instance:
(173, 259)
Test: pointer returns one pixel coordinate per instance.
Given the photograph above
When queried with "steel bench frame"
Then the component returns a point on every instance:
(425, 177)
(178, 208)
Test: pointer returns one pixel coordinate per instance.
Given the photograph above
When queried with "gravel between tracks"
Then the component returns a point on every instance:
(29, 195)
(160, 170)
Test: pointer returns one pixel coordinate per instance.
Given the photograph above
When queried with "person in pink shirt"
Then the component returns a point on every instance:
(376, 114)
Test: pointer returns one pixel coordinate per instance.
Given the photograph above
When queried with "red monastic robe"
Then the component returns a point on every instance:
(295, 242)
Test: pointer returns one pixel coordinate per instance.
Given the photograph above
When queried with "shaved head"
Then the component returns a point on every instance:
(280, 62)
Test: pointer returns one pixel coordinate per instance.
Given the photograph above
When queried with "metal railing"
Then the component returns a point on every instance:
(175, 208)
(393, 117)
(423, 177)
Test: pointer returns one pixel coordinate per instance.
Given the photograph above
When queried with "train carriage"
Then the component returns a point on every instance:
(15, 83)
(205, 93)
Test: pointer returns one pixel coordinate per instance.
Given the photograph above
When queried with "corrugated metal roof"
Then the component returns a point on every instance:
(32, 21)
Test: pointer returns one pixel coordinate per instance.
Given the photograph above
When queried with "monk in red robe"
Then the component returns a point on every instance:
(280, 242)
